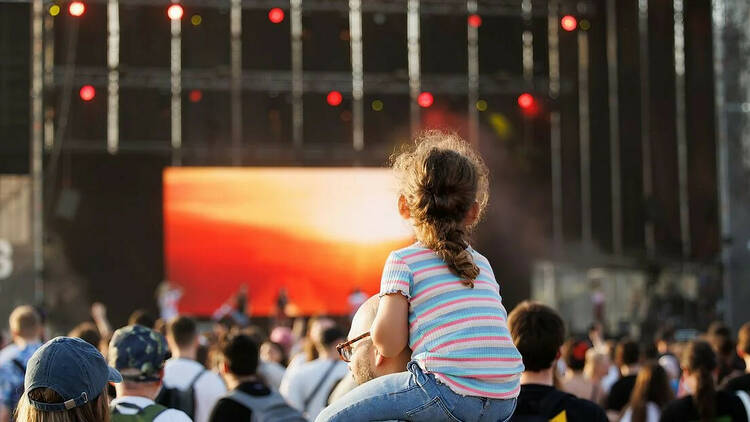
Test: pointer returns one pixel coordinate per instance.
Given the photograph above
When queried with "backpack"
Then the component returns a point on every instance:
(18, 392)
(270, 408)
(546, 409)
(146, 414)
(184, 400)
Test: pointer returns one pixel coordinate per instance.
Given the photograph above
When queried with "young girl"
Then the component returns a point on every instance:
(440, 298)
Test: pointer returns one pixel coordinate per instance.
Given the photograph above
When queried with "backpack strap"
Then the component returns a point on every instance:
(242, 398)
(17, 363)
(320, 384)
(149, 412)
(195, 379)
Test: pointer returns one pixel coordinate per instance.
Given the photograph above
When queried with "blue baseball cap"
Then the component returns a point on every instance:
(138, 353)
(70, 367)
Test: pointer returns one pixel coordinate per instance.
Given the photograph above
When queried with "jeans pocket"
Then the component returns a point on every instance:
(431, 411)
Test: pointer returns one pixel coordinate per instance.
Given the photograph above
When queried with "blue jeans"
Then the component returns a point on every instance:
(414, 396)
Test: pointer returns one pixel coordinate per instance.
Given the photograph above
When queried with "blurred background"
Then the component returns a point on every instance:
(616, 133)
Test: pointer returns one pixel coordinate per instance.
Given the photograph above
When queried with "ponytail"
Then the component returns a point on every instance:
(700, 360)
(448, 242)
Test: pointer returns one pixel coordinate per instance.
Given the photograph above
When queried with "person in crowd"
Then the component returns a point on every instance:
(594, 370)
(142, 317)
(311, 342)
(249, 398)
(627, 358)
(168, 296)
(99, 315)
(703, 403)
(365, 363)
(538, 332)
(439, 296)
(26, 329)
(88, 332)
(741, 382)
(307, 386)
(574, 381)
(187, 385)
(650, 394)
(139, 353)
(66, 381)
(720, 338)
(272, 363)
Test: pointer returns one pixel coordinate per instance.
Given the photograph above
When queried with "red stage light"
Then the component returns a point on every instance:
(276, 15)
(76, 8)
(175, 12)
(475, 21)
(334, 98)
(87, 93)
(569, 23)
(525, 101)
(195, 95)
(425, 99)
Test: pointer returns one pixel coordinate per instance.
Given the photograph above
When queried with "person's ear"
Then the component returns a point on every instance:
(472, 214)
(741, 353)
(403, 207)
(224, 367)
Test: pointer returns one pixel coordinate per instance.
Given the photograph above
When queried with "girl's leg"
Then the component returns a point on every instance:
(403, 396)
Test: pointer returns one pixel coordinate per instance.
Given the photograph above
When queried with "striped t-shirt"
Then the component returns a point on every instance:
(456, 332)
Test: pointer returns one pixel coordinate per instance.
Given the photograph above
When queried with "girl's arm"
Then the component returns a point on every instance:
(390, 330)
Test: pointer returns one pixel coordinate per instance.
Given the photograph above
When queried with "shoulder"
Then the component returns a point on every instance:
(172, 415)
(210, 379)
(228, 409)
(582, 409)
(678, 409)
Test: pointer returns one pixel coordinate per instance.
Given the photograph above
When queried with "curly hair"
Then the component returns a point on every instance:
(441, 178)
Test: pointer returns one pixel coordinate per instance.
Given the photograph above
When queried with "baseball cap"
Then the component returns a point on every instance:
(138, 353)
(70, 367)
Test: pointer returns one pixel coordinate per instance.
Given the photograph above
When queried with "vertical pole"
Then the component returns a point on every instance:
(355, 37)
(473, 75)
(296, 34)
(682, 164)
(527, 38)
(49, 78)
(176, 84)
(722, 152)
(37, 147)
(614, 126)
(648, 186)
(555, 129)
(584, 127)
(113, 79)
(412, 41)
(235, 29)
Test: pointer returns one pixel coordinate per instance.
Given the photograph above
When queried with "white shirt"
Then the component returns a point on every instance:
(272, 373)
(169, 415)
(298, 385)
(209, 388)
(652, 413)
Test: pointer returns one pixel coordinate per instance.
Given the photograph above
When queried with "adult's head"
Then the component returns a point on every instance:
(699, 364)
(139, 354)
(627, 353)
(574, 354)
(142, 317)
(25, 324)
(538, 333)
(88, 332)
(651, 385)
(66, 381)
(743, 343)
(365, 363)
(444, 188)
(182, 337)
(238, 358)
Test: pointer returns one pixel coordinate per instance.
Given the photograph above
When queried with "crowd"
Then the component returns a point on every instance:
(436, 344)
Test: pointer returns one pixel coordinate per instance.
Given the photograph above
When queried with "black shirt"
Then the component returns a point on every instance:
(741, 382)
(728, 408)
(619, 394)
(531, 400)
(227, 410)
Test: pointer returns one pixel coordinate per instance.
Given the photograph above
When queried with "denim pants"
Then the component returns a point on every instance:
(414, 396)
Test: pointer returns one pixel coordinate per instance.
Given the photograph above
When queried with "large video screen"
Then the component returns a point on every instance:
(318, 233)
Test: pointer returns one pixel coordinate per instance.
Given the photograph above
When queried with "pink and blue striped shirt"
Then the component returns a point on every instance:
(456, 332)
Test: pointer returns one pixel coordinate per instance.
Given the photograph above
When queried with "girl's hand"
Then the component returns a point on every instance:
(390, 330)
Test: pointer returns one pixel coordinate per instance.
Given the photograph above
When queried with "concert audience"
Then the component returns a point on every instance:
(650, 394)
(26, 330)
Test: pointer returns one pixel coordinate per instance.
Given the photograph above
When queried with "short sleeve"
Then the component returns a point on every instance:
(397, 277)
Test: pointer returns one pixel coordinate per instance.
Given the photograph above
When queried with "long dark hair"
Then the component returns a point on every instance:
(651, 385)
(96, 410)
(699, 358)
(441, 179)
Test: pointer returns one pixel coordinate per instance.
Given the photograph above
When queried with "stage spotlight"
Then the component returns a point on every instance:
(569, 23)
(77, 9)
(54, 10)
(481, 105)
(195, 95)
(276, 15)
(425, 99)
(334, 98)
(87, 93)
(196, 20)
(377, 105)
(525, 101)
(175, 12)
(475, 21)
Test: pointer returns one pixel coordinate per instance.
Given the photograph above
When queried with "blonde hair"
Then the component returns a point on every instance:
(96, 410)
(25, 321)
(441, 178)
